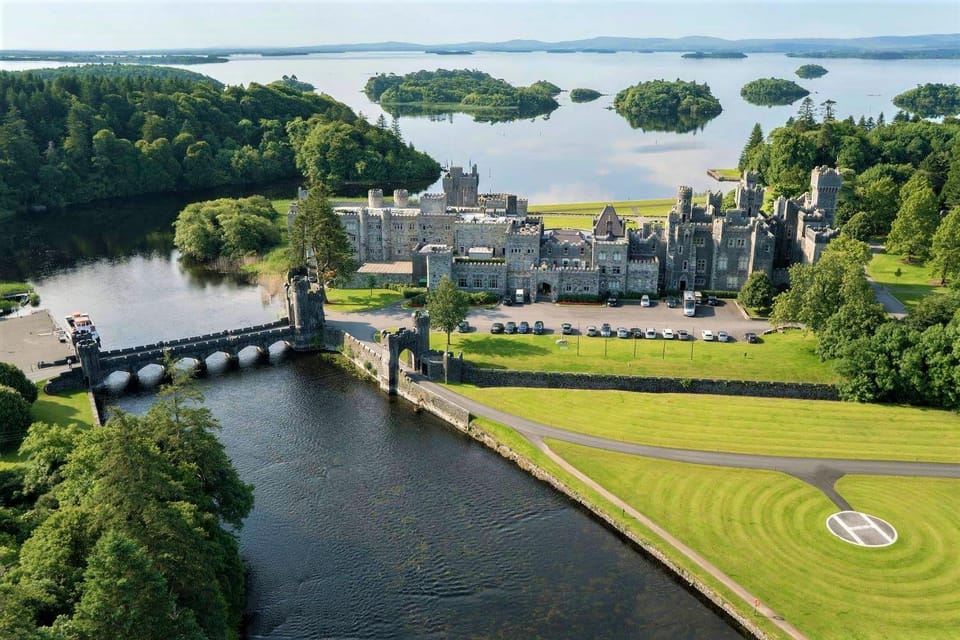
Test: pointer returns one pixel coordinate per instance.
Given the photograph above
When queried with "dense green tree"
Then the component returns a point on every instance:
(757, 292)
(859, 314)
(871, 366)
(950, 194)
(755, 140)
(318, 238)
(13, 376)
(912, 230)
(931, 310)
(792, 156)
(932, 366)
(945, 250)
(806, 118)
(811, 71)
(859, 227)
(448, 306)
(659, 105)
(227, 227)
(931, 100)
(879, 198)
(46, 449)
(584, 95)
(14, 418)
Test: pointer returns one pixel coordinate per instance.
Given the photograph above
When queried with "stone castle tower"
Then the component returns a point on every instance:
(461, 188)
(825, 184)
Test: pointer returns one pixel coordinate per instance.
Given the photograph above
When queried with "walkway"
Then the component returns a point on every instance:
(891, 305)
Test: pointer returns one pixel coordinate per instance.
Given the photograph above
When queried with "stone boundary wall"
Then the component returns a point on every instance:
(427, 400)
(558, 380)
(369, 360)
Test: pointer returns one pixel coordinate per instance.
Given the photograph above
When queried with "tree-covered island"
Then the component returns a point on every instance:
(584, 95)
(76, 135)
(660, 105)
(809, 71)
(931, 100)
(772, 91)
(464, 90)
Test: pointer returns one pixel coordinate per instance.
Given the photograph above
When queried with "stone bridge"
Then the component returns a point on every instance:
(302, 330)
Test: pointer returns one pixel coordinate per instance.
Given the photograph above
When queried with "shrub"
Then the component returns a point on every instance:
(418, 300)
(12, 376)
(578, 297)
(483, 297)
(14, 418)
(412, 292)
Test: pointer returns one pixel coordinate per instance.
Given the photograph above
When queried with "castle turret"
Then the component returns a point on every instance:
(685, 202)
(825, 183)
(749, 194)
(400, 197)
(375, 198)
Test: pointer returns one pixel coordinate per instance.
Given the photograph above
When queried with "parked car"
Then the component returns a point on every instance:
(507, 301)
(750, 336)
(605, 330)
(496, 327)
(524, 327)
(636, 332)
(645, 301)
(510, 327)
(591, 330)
(682, 334)
(566, 328)
(538, 328)
(707, 335)
(650, 333)
(668, 334)
(722, 336)
(673, 302)
(613, 302)
(463, 327)
(712, 300)
(622, 332)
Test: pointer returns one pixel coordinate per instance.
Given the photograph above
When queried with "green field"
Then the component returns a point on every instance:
(767, 531)
(913, 283)
(657, 208)
(576, 222)
(739, 424)
(61, 408)
(788, 356)
(729, 173)
(352, 300)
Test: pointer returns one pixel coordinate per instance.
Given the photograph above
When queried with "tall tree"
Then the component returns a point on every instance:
(916, 221)
(756, 138)
(828, 112)
(945, 250)
(806, 118)
(319, 238)
(448, 306)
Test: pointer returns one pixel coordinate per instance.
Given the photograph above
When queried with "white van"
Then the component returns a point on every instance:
(518, 298)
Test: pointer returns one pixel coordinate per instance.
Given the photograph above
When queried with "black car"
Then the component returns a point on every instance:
(538, 328)
(612, 302)
(673, 303)
(463, 327)
(712, 300)
(510, 327)
(524, 327)
(496, 327)
(566, 328)
(750, 336)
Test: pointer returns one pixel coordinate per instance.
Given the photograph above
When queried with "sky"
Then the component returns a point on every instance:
(161, 24)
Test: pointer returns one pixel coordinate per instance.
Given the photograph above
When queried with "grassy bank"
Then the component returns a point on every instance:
(789, 356)
(60, 408)
(651, 208)
(522, 447)
(352, 300)
(766, 531)
(764, 426)
(914, 282)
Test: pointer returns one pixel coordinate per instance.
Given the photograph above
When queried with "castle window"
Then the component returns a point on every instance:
(564, 263)
(680, 249)
(581, 250)
(517, 250)
(477, 282)
(698, 242)
(565, 250)
(616, 256)
(398, 226)
(462, 282)
(586, 287)
(493, 284)
(733, 283)
(461, 250)
(568, 287)
(529, 250)
(686, 236)
(701, 265)
(699, 281)
(602, 255)
(722, 263)
(616, 270)
(603, 269)
(766, 247)
(741, 242)
(730, 242)
(743, 263)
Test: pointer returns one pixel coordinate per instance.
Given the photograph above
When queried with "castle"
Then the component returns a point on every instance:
(487, 242)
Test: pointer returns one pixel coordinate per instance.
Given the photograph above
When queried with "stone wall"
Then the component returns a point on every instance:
(555, 380)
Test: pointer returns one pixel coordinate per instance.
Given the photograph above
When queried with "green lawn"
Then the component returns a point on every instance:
(576, 222)
(740, 424)
(767, 531)
(61, 408)
(787, 356)
(656, 208)
(351, 300)
(913, 283)
(729, 173)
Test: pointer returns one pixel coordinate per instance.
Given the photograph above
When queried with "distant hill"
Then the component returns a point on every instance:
(942, 43)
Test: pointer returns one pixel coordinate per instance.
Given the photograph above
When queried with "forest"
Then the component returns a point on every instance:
(462, 90)
(772, 91)
(931, 100)
(81, 134)
(584, 95)
(808, 71)
(659, 105)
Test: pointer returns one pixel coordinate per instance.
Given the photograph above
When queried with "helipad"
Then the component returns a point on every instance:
(861, 529)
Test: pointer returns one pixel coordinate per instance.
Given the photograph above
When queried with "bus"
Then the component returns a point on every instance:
(689, 304)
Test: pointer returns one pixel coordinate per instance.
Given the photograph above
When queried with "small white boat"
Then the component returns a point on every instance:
(79, 325)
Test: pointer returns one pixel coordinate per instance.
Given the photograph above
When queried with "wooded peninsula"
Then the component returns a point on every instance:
(772, 91)
(659, 105)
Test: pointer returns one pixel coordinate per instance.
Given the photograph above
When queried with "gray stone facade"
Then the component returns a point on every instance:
(487, 242)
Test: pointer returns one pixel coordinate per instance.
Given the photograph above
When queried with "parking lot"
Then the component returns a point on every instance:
(726, 317)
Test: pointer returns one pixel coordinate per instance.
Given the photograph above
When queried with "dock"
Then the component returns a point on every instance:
(29, 338)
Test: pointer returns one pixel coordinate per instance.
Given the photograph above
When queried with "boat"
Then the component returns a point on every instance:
(79, 326)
